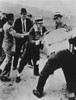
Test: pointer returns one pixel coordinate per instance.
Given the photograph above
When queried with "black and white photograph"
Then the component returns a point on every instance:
(37, 49)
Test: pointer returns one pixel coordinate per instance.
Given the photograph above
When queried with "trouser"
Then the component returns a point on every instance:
(70, 74)
(6, 65)
(7, 70)
(62, 59)
(31, 52)
(19, 44)
(23, 62)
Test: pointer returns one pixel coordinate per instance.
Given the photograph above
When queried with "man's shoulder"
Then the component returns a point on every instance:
(28, 20)
(18, 20)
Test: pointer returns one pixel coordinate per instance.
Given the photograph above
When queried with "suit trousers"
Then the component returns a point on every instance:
(19, 43)
(31, 52)
(63, 59)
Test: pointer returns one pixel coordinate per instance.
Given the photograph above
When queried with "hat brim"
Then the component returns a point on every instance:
(58, 15)
(41, 22)
(24, 13)
(54, 18)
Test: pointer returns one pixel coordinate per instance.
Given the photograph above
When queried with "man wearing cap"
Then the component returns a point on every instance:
(22, 25)
(34, 45)
(58, 22)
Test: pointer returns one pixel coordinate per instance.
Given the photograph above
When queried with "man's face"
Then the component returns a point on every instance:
(39, 25)
(23, 16)
(11, 21)
(58, 19)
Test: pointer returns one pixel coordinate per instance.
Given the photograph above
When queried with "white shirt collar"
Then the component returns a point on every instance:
(22, 20)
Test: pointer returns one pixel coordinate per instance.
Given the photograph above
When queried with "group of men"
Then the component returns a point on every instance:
(25, 33)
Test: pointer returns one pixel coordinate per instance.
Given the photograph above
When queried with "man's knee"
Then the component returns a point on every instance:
(24, 61)
(46, 73)
(44, 76)
(48, 69)
(8, 60)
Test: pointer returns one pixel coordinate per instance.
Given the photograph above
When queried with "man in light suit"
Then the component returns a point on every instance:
(22, 25)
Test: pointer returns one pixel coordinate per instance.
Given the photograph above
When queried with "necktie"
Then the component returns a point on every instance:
(23, 26)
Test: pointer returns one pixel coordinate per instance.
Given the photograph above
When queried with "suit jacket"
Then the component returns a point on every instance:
(18, 25)
(18, 29)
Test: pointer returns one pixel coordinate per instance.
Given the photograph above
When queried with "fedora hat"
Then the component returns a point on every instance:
(39, 20)
(23, 11)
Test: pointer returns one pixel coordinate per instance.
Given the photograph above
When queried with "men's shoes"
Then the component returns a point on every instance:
(37, 93)
(30, 63)
(5, 79)
(18, 79)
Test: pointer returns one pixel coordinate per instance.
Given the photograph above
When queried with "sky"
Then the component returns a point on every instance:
(63, 6)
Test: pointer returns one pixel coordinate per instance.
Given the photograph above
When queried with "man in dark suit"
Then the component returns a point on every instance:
(33, 47)
(22, 25)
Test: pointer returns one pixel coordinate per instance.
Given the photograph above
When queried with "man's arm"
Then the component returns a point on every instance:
(15, 34)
